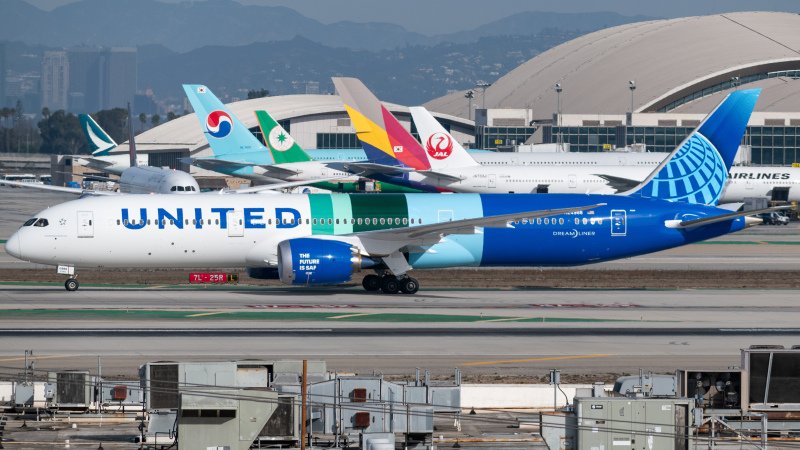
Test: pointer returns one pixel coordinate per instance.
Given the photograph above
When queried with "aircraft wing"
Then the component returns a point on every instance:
(116, 180)
(619, 184)
(78, 191)
(214, 164)
(720, 218)
(384, 242)
(366, 168)
(274, 187)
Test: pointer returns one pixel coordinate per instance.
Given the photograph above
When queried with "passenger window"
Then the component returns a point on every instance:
(561, 221)
(538, 221)
(30, 222)
(585, 220)
(217, 221)
(390, 220)
(125, 222)
(366, 221)
(148, 221)
(412, 221)
(90, 222)
(171, 222)
(187, 222)
(330, 221)
(419, 221)
(577, 221)
(383, 221)
(117, 221)
(194, 221)
(352, 221)
(359, 220)
(291, 221)
(240, 221)
(315, 221)
(337, 221)
(405, 221)
(546, 221)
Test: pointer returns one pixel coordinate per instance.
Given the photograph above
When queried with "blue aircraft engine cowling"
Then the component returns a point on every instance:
(308, 261)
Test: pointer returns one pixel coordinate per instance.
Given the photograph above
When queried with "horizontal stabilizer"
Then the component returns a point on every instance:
(619, 184)
(46, 187)
(442, 175)
(367, 169)
(720, 218)
(273, 187)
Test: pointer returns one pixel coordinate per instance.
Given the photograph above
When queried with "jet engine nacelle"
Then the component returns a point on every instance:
(309, 261)
(263, 273)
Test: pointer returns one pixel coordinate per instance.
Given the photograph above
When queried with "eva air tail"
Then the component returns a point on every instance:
(281, 145)
(696, 171)
(228, 137)
(99, 141)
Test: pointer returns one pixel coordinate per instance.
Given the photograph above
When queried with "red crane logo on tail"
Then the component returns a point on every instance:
(439, 146)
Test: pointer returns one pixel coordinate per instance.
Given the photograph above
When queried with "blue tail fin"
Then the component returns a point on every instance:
(227, 135)
(696, 171)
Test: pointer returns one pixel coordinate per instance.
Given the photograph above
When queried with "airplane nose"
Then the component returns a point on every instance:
(13, 246)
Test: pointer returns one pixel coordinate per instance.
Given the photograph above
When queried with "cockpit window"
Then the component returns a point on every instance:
(29, 222)
(174, 188)
(180, 188)
(189, 188)
(41, 223)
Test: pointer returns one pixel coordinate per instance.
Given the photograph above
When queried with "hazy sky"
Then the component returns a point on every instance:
(431, 17)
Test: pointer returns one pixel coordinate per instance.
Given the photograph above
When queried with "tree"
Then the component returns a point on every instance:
(155, 119)
(114, 122)
(46, 112)
(62, 134)
(143, 119)
(19, 112)
(257, 94)
(171, 116)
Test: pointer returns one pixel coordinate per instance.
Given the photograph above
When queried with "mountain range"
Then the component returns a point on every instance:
(185, 26)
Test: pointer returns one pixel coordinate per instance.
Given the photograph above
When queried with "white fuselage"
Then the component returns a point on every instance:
(154, 180)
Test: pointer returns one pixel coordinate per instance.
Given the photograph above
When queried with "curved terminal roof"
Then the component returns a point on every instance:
(186, 132)
(672, 62)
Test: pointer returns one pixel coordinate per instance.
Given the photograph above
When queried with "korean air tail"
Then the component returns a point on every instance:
(696, 171)
(384, 139)
(227, 135)
(281, 145)
(99, 141)
(442, 150)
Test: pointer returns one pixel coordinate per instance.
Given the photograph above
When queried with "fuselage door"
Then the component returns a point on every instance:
(619, 222)
(85, 224)
(235, 223)
(573, 181)
(748, 184)
(492, 181)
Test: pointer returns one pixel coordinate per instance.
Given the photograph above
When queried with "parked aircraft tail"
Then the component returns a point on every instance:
(226, 134)
(442, 150)
(384, 139)
(696, 171)
(282, 146)
(100, 143)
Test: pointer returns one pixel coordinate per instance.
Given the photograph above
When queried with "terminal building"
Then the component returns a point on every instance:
(643, 86)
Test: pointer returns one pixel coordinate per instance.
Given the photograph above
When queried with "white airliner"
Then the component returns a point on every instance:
(446, 155)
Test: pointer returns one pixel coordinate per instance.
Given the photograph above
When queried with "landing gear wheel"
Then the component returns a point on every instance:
(409, 285)
(390, 285)
(371, 282)
(71, 284)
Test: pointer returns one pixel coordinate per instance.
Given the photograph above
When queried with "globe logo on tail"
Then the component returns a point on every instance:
(439, 146)
(219, 124)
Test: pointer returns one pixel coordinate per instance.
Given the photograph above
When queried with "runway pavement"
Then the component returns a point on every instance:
(483, 332)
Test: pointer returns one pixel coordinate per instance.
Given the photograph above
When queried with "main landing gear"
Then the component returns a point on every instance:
(71, 284)
(390, 284)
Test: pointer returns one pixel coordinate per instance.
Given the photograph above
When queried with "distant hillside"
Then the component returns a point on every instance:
(186, 26)
(409, 76)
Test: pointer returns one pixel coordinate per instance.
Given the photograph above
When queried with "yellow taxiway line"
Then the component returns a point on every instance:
(38, 357)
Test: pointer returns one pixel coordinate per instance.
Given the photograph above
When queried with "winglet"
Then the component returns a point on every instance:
(131, 140)
(696, 171)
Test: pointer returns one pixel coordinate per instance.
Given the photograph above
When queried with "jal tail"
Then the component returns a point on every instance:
(100, 143)
(227, 136)
(696, 171)
(383, 138)
(281, 145)
(442, 150)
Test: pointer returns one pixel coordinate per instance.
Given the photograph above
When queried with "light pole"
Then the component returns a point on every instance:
(559, 140)
(632, 87)
(469, 95)
(483, 85)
